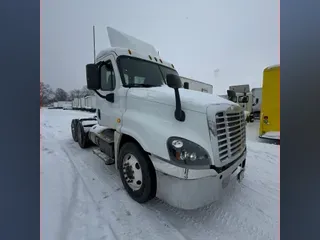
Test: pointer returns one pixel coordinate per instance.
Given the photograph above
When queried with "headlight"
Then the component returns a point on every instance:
(186, 152)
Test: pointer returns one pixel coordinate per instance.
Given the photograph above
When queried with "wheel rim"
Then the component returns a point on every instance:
(132, 172)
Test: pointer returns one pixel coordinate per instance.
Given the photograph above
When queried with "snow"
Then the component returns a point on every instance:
(191, 100)
(272, 135)
(84, 199)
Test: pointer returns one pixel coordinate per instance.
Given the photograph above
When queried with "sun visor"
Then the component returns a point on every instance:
(119, 39)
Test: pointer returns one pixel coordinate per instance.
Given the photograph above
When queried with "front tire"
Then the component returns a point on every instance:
(137, 173)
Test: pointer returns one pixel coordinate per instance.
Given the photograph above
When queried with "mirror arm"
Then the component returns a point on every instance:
(99, 94)
(179, 113)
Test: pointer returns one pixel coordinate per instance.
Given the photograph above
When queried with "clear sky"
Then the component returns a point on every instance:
(221, 42)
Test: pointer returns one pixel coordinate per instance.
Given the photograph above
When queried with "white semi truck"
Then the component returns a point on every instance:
(196, 85)
(241, 94)
(179, 145)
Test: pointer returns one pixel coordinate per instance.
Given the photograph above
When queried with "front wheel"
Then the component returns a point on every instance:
(137, 173)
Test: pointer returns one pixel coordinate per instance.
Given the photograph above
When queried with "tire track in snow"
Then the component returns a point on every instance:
(215, 212)
(114, 236)
(69, 210)
(126, 208)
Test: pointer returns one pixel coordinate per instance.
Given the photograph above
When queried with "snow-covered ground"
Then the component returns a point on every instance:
(84, 199)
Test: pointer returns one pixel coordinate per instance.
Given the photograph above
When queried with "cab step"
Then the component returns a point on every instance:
(104, 157)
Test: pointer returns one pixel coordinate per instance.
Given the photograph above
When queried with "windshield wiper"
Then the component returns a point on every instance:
(140, 85)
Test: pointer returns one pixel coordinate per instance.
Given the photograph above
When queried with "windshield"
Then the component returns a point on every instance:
(140, 73)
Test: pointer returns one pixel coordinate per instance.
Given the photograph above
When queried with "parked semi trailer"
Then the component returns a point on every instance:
(61, 105)
(270, 106)
(256, 101)
(165, 140)
(197, 85)
(90, 103)
(76, 104)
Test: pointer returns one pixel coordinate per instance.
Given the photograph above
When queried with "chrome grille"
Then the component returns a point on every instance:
(231, 133)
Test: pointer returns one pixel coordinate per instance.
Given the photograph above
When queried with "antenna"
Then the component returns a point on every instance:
(94, 43)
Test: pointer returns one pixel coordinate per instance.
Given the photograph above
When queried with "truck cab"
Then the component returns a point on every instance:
(179, 145)
(244, 99)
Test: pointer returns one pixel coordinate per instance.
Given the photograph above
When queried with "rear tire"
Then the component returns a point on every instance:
(74, 124)
(148, 188)
(82, 136)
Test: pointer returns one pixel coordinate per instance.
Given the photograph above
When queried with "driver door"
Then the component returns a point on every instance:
(108, 110)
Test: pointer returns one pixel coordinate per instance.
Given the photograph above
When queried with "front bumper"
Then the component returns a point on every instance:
(192, 188)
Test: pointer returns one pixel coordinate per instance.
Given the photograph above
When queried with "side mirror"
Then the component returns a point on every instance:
(173, 81)
(244, 99)
(110, 97)
(186, 85)
(93, 77)
(232, 96)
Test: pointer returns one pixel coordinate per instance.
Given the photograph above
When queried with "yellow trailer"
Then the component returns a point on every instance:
(270, 106)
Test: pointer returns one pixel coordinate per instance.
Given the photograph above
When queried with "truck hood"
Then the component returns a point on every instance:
(190, 99)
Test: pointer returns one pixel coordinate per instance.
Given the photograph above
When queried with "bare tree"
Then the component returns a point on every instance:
(86, 92)
(61, 95)
(46, 94)
(76, 93)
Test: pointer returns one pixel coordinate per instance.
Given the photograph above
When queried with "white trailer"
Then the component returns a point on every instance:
(197, 85)
(76, 104)
(90, 103)
(62, 104)
(164, 140)
(82, 104)
(93, 102)
(67, 105)
(256, 100)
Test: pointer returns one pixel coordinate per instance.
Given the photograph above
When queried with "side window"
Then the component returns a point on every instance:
(108, 80)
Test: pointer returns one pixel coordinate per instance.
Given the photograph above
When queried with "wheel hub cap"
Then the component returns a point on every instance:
(132, 172)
